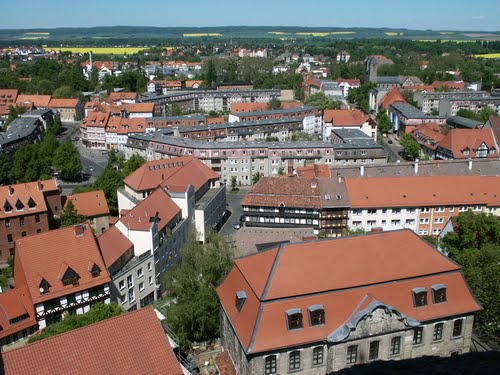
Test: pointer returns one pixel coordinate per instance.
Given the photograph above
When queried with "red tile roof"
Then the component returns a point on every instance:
(423, 191)
(345, 117)
(113, 245)
(139, 108)
(291, 105)
(175, 173)
(64, 103)
(38, 100)
(22, 193)
(157, 203)
(67, 248)
(8, 96)
(456, 86)
(458, 140)
(342, 275)
(96, 119)
(316, 170)
(428, 135)
(90, 204)
(117, 96)
(248, 107)
(494, 121)
(190, 84)
(15, 303)
(393, 96)
(132, 343)
(289, 192)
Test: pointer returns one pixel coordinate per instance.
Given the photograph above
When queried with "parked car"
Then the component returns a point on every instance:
(237, 226)
(74, 139)
(91, 168)
(390, 141)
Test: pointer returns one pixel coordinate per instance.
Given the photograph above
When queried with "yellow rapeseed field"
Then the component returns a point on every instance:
(488, 56)
(393, 33)
(100, 50)
(313, 33)
(202, 34)
(38, 33)
(32, 37)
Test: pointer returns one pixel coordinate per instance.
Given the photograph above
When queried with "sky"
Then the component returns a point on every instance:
(477, 15)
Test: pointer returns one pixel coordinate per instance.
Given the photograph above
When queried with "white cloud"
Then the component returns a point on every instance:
(479, 17)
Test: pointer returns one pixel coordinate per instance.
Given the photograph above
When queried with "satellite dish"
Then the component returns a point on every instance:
(42, 290)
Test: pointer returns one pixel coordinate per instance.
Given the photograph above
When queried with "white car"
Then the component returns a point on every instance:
(91, 169)
(237, 226)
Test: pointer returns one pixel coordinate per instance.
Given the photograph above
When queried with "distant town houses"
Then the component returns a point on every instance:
(421, 203)
(334, 119)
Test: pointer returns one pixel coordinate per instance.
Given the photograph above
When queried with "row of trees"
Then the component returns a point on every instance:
(39, 161)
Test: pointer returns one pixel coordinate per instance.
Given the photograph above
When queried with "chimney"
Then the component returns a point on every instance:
(415, 166)
(11, 190)
(341, 180)
(470, 165)
(362, 170)
(308, 237)
(39, 184)
(79, 229)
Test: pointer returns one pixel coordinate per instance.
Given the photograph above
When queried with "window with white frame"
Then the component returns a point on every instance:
(121, 284)
(438, 220)
(270, 365)
(140, 273)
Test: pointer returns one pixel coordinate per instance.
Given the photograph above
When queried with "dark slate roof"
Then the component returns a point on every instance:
(463, 122)
(409, 111)
(18, 129)
(277, 111)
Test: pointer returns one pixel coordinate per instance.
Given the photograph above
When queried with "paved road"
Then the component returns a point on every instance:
(234, 202)
(91, 159)
(394, 148)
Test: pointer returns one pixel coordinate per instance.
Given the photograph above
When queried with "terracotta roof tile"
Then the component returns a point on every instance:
(90, 204)
(423, 191)
(340, 274)
(67, 248)
(458, 140)
(113, 245)
(22, 193)
(391, 97)
(117, 96)
(175, 172)
(38, 100)
(8, 96)
(157, 203)
(139, 107)
(15, 303)
(63, 103)
(428, 134)
(96, 119)
(132, 343)
(248, 107)
(345, 117)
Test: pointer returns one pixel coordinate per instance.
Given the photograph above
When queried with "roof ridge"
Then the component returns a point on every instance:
(271, 272)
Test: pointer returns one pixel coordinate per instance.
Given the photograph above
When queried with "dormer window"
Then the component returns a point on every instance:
(466, 151)
(31, 203)
(419, 297)
(241, 297)
(95, 271)
(7, 207)
(19, 205)
(294, 319)
(316, 315)
(44, 286)
(439, 293)
(70, 277)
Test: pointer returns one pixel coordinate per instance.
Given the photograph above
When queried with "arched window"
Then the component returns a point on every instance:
(294, 360)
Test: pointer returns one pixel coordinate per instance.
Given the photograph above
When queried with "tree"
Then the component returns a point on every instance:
(234, 183)
(383, 123)
(322, 101)
(135, 162)
(273, 104)
(355, 232)
(67, 161)
(410, 146)
(70, 215)
(4, 170)
(209, 72)
(99, 311)
(301, 136)
(175, 110)
(109, 182)
(202, 267)
(256, 177)
(475, 245)
(66, 92)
